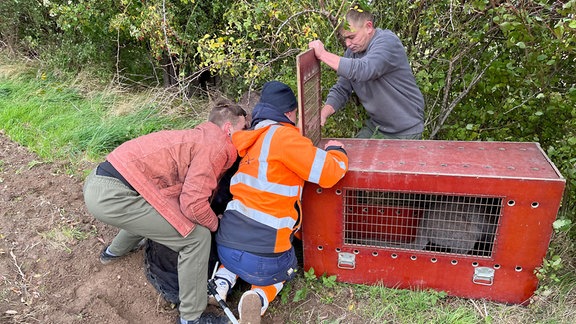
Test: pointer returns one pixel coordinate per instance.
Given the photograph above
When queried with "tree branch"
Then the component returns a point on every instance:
(446, 112)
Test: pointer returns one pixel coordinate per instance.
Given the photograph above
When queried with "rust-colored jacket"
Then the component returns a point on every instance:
(176, 171)
(276, 162)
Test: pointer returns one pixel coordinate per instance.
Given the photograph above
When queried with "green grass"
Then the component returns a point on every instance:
(63, 236)
(59, 122)
(379, 304)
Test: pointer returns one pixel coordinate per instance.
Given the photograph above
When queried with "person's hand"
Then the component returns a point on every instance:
(318, 47)
(326, 112)
(330, 59)
(333, 143)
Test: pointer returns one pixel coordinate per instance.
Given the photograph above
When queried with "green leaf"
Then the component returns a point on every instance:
(300, 294)
(562, 224)
(309, 275)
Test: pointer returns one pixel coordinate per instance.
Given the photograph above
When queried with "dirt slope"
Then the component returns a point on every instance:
(49, 269)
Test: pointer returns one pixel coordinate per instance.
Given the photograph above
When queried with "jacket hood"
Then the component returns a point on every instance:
(263, 111)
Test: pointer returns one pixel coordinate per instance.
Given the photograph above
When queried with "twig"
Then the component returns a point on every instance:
(30, 247)
(17, 266)
(520, 105)
(22, 275)
(166, 39)
(333, 20)
(451, 15)
(483, 313)
(465, 92)
(321, 12)
(117, 76)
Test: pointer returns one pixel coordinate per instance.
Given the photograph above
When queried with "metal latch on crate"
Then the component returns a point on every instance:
(346, 260)
(483, 276)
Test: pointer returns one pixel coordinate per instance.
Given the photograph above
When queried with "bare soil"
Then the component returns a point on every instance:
(49, 247)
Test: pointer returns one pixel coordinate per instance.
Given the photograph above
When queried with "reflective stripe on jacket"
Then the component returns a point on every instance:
(265, 210)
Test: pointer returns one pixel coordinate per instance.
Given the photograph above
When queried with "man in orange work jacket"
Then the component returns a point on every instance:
(254, 240)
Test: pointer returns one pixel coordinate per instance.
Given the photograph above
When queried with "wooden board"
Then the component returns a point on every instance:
(309, 95)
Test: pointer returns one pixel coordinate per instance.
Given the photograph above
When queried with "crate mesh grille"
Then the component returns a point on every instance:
(419, 221)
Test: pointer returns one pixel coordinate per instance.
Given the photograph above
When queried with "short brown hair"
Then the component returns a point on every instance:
(358, 14)
(225, 111)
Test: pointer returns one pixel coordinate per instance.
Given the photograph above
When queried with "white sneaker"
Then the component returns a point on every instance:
(222, 288)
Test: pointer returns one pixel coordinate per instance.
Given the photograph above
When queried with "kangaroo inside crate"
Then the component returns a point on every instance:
(419, 221)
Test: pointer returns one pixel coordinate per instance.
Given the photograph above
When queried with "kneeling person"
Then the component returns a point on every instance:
(158, 186)
(254, 241)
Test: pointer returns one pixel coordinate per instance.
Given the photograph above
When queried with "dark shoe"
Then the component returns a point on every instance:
(250, 307)
(208, 318)
(106, 258)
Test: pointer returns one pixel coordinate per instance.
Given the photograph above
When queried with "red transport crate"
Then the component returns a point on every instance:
(473, 219)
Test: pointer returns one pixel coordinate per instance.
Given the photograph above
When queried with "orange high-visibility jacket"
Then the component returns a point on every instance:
(265, 209)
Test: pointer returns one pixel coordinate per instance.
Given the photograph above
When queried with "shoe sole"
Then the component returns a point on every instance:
(107, 261)
(250, 310)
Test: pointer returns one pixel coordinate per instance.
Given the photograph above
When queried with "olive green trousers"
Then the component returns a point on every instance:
(111, 202)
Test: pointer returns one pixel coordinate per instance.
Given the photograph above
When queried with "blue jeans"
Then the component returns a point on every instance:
(259, 270)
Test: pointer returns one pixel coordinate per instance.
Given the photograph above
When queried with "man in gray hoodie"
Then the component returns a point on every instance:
(375, 66)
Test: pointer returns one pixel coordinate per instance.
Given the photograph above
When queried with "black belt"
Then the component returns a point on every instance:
(106, 169)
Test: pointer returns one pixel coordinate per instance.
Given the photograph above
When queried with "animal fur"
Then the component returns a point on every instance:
(456, 226)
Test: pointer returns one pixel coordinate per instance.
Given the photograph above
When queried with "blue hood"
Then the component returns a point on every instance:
(263, 111)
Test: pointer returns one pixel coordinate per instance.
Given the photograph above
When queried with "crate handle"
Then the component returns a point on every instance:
(483, 276)
(346, 260)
